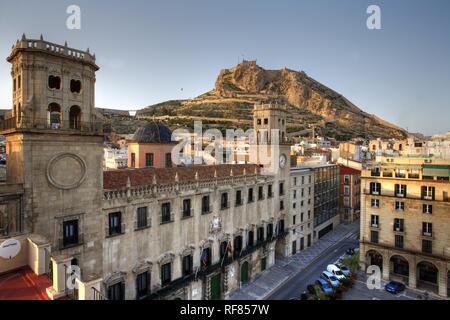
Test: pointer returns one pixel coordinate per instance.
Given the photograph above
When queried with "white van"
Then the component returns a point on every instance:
(336, 272)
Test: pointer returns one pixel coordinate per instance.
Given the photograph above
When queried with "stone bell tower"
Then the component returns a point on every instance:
(269, 122)
(54, 149)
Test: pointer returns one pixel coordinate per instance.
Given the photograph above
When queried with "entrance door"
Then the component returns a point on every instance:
(263, 263)
(294, 247)
(216, 292)
(302, 243)
(244, 273)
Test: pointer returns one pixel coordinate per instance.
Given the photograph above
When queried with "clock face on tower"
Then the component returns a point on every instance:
(283, 160)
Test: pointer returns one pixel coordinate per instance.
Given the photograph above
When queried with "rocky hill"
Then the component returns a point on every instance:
(309, 102)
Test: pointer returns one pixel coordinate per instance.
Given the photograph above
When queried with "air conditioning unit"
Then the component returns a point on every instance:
(374, 225)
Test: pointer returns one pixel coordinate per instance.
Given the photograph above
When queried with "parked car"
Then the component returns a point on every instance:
(336, 272)
(394, 287)
(345, 270)
(324, 285)
(350, 251)
(330, 278)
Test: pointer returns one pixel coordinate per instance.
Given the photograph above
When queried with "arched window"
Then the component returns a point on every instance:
(54, 116)
(75, 117)
(75, 86)
(54, 82)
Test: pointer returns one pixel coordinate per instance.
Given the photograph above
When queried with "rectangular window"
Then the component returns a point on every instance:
(399, 206)
(186, 208)
(166, 273)
(250, 239)
(115, 223)
(399, 241)
(19, 81)
(346, 179)
(427, 229)
(375, 188)
(427, 246)
(281, 205)
(187, 265)
(205, 258)
(374, 221)
(269, 191)
(347, 190)
(224, 201)
(141, 217)
(375, 203)
(142, 284)
(149, 159)
(165, 213)
(168, 160)
(281, 189)
(260, 235)
(205, 205)
(400, 190)
(428, 193)
(269, 231)
(238, 198)
(293, 219)
(399, 225)
(374, 236)
(427, 208)
(260, 193)
(133, 160)
(250, 195)
(116, 291)
(70, 233)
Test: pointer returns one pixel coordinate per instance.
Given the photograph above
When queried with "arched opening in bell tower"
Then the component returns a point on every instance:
(75, 117)
(54, 116)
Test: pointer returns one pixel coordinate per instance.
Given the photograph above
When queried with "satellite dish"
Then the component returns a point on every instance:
(9, 248)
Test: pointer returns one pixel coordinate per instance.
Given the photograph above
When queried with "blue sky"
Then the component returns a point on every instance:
(149, 50)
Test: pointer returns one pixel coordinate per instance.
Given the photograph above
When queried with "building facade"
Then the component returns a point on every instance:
(405, 221)
(326, 198)
(160, 231)
(349, 193)
(302, 208)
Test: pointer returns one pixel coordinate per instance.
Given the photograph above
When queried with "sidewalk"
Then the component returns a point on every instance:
(285, 268)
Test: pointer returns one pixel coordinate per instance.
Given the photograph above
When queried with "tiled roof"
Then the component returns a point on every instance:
(347, 170)
(114, 179)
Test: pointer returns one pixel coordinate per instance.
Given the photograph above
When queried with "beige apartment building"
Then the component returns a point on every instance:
(152, 231)
(405, 221)
(302, 208)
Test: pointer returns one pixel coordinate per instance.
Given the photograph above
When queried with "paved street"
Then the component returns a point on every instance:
(361, 292)
(297, 284)
(273, 283)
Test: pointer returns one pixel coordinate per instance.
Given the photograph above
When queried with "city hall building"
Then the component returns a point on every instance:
(152, 230)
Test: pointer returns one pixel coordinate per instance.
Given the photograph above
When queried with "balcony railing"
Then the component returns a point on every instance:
(28, 123)
(98, 295)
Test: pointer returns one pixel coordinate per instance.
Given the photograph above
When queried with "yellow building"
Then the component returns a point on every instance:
(405, 221)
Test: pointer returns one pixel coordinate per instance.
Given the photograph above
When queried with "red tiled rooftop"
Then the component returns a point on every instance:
(23, 284)
(114, 179)
(347, 170)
